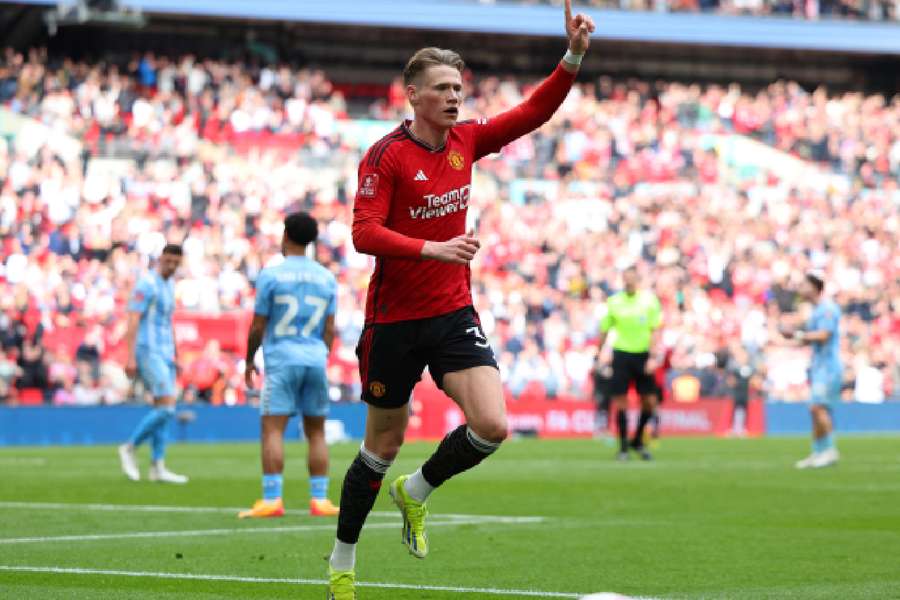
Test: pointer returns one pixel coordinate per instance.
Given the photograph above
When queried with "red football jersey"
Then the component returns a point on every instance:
(410, 192)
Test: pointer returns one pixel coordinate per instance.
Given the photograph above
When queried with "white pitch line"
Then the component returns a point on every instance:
(213, 532)
(222, 509)
(160, 508)
(317, 582)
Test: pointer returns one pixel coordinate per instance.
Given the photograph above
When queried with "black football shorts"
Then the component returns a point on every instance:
(631, 367)
(392, 356)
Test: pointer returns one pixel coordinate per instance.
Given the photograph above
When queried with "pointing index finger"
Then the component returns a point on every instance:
(568, 4)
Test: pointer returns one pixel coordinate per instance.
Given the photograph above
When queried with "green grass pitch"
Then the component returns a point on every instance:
(709, 518)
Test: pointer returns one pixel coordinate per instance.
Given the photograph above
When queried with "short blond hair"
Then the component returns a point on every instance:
(430, 57)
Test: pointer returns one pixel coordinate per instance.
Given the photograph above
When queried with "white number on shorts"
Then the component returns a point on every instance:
(284, 325)
(480, 340)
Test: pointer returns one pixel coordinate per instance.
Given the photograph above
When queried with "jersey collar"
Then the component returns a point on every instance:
(405, 127)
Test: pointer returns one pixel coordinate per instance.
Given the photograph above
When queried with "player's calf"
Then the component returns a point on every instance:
(459, 451)
(361, 485)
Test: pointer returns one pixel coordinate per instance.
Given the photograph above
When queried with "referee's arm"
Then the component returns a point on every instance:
(606, 323)
(654, 320)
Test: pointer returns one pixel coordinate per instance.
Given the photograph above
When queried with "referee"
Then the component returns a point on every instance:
(635, 317)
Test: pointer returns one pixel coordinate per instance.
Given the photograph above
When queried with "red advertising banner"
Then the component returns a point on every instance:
(703, 417)
(711, 416)
(193, 330)
(434, 414)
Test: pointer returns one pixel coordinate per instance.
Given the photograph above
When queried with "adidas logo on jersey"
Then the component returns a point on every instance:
(420, 176)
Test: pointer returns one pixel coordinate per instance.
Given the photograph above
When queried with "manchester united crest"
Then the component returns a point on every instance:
(377, 389)
(456, 160)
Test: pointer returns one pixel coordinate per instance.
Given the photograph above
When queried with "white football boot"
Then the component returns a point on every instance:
(807, 463)
(129, 462)
(826, 458)
(159, 472)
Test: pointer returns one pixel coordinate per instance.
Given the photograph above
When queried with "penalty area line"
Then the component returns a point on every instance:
(309, 582)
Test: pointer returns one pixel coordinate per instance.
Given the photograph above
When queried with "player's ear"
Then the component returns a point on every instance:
(412, 94)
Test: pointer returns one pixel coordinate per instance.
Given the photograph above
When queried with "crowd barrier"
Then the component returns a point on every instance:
(788, 418)
(46, 426)
(433, 415)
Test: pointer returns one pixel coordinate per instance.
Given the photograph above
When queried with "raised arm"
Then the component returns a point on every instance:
(498, 131)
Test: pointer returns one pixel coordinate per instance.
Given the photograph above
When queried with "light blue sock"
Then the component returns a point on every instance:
(827, 441)
(148, 425)
(272, 486)
(160, 437)
(818, 445)
(318, 487)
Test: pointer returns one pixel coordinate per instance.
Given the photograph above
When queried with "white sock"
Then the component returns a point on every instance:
(343, 557)
(417, 488)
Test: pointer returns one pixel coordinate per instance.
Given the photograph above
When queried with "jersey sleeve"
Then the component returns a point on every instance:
(494, 133)
(263, 304)
(141, 296)
(372, 207)
(607, 322)
(827, 320)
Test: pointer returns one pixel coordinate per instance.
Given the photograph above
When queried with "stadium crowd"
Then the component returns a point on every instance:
(873, 10)
(122, 158)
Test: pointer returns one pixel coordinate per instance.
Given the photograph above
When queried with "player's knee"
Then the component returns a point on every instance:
(387, 453)
(386, 447)
(494, 430)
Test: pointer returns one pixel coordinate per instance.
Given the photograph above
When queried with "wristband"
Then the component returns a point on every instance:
(573, 59)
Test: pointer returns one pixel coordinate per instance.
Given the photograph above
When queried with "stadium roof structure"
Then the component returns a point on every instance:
(541, 20)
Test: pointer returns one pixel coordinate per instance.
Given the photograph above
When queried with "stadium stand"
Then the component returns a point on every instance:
(875, 10)
(723, 195)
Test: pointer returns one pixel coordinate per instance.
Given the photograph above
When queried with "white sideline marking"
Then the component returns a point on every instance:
(221, 509)
(317, 582)
(224, 531)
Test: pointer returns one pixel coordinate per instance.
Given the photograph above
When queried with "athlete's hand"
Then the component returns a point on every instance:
(459, 250)
(131, 368)
(578, 29)
(249, 371)
(787, 332)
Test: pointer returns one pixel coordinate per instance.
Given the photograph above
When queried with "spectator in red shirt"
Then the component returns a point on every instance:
(206, 374)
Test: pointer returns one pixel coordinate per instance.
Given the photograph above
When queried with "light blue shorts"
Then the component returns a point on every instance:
(293, 390)
(825, 387)
(157, 372)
